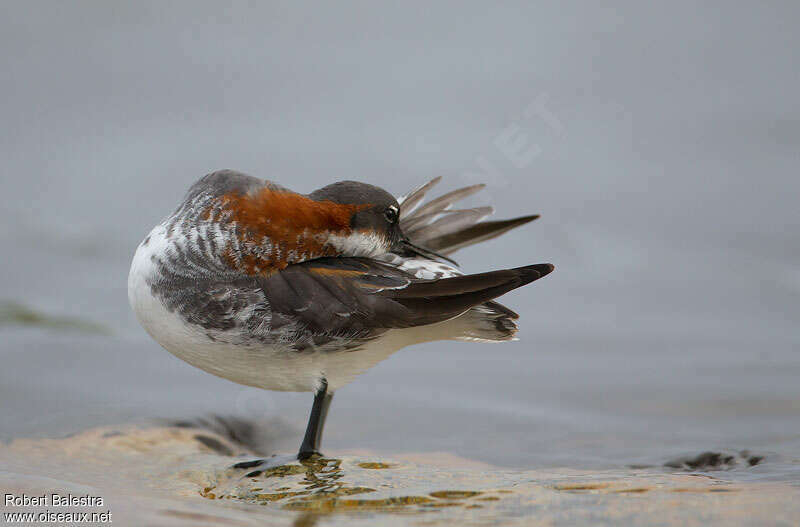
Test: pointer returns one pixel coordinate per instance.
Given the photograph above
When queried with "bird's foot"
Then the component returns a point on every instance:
(308, 454)
(256, 467)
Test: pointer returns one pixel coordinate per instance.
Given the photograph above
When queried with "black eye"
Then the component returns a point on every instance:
(392, 214)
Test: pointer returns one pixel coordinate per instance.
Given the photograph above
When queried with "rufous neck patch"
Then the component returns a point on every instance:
(275, 228)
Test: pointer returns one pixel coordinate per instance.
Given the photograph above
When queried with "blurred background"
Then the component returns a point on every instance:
(660, 144)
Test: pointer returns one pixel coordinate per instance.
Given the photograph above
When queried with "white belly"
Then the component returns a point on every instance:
(256, 365)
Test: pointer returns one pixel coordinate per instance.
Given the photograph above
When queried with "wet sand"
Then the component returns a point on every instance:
(182, 475)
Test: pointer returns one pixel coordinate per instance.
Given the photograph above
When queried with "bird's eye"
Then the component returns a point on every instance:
(392, 214)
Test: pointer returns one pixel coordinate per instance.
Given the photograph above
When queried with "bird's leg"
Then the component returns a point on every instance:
(311, 441)
(316, 422)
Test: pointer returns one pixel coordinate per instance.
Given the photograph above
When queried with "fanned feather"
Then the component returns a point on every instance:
(480, 232)
(436, 226)
(449, 222)
(410, 201)
(445, 201)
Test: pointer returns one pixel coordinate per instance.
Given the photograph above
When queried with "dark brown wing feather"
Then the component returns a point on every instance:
(359, 297)
(436, 300)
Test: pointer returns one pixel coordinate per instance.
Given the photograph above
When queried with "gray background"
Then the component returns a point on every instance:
(659, 143)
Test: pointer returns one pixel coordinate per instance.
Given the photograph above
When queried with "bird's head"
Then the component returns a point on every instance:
(375, 223)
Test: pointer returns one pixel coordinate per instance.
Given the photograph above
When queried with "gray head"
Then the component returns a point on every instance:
(380, 215)
(381, 212)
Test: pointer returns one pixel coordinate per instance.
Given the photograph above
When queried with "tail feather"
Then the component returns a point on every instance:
(479, 232)
(484, 323)
(488, 322)
(436, 226)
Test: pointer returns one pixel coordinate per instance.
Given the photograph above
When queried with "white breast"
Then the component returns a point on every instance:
(262, 367)
(259, 365)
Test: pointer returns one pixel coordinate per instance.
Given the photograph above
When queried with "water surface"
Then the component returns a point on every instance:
(663, 158)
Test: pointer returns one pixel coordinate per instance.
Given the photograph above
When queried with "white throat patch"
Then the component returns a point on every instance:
(362, 244)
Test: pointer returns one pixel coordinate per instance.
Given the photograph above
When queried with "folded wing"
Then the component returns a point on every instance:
(360, 298)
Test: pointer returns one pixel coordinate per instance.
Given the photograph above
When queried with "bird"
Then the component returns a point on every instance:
(270, 288)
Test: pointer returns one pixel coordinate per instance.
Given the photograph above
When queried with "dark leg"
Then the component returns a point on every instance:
(311, 441)
(316, 422)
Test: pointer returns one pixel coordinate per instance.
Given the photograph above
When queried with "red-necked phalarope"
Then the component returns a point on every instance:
(283, 291)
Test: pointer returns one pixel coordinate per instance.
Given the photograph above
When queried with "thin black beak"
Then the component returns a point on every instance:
(421, 251)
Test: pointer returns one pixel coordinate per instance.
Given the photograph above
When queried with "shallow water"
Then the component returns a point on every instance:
(667, 186)
(185, 476)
